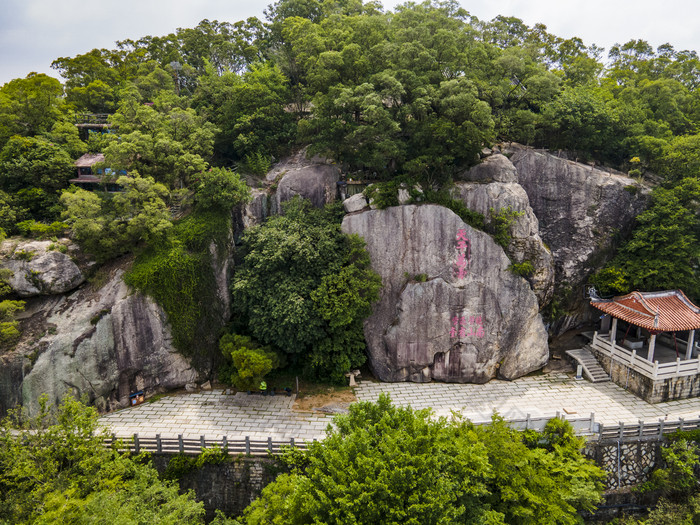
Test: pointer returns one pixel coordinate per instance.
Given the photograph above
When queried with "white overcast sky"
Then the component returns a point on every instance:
(35, 32)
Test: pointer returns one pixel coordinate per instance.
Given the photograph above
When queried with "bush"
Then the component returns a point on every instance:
(523, 269)
(40, 230)
(220, 189)
(249, 361)
(501, 223)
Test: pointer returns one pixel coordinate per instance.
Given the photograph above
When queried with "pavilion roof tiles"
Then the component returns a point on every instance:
(668, 311)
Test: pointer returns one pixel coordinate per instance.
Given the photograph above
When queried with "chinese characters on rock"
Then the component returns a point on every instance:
(460, 327)
(464, 255)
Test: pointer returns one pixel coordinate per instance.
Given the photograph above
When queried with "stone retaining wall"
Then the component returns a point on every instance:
(646, 388)
(229, 487)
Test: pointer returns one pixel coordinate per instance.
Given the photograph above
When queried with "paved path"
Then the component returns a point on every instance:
(216, 414)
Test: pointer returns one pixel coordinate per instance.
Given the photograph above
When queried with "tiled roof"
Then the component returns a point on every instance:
(669, 311)
(89, 159)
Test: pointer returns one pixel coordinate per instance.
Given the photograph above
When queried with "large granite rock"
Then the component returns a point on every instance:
(39, 268)
(581, 210)
(105, 343)
(499, 191)
(449, 308)
(317, 182)
(494, 168)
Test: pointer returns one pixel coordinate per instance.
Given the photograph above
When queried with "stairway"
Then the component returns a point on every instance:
(591, 368)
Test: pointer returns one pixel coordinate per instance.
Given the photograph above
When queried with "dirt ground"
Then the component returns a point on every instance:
(331, 399)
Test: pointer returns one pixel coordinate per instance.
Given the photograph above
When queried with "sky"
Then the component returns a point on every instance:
(33, 33)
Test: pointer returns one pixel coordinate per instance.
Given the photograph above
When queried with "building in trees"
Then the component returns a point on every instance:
(92, 178)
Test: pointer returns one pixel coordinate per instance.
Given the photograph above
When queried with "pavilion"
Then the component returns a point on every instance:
(654, 354)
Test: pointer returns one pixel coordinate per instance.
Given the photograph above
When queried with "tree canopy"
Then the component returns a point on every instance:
(390, 465)
(305, 288)
(54, 468)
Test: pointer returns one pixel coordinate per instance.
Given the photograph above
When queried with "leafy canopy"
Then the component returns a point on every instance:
(54, 468)
(305, 288)
(390, 465)
(110, 225)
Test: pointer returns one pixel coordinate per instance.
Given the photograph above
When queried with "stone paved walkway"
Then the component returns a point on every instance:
(215, 414)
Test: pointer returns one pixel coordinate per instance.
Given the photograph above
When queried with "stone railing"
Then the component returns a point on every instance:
(655, 371)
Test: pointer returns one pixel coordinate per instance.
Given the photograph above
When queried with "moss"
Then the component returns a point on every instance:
(179, 276)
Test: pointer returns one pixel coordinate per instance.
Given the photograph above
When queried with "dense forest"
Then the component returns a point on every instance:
(410, 96)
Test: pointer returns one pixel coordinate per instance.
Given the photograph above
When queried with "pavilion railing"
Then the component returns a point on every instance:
(678, 368)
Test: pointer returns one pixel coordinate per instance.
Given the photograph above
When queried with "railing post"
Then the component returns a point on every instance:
(656, 369)
(224, 444)
(181, 444)
(592, 427)
(527, 421)
(202, 443)
(680, 426)
(291, 441)
(641, 427)
(595, 338)
(622, 429)
(159, 444)
(269, 443)
(137, 447)
(678, 365)
(600, 432)
(632, 358)
(247, 445)
(661, 428)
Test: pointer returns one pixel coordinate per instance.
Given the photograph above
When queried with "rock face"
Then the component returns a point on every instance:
(318, 183)
(580, 209)
(449, 308)
(314, 179)
(492, 185)
(105, 343)
(37, 270)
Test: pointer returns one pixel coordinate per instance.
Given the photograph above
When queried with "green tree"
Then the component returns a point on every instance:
(165, 141)
(54, 468)
(249, 109)
(305, 288)
(249, 362)
(385, 464)
(29, 106)
(219, 189)
(110, 225)
(664, 251)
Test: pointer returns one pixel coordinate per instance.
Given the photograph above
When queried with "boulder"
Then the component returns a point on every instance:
(526, 243)
(494, 168)
(449, 308)
(355, 203)
(105, 343)
(581, 210)
(39, 270)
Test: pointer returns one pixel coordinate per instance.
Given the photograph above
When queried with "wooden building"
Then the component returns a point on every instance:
(647, 343)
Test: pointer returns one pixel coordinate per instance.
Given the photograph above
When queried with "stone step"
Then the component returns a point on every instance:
(591, 368)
